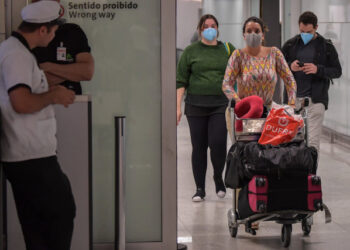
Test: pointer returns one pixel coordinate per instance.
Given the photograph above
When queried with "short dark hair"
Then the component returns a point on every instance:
(255, 19)
(31, 27)
(308, 17)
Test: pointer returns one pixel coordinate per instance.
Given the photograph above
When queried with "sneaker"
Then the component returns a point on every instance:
(199, 195)
(220, 187)
(221, 194)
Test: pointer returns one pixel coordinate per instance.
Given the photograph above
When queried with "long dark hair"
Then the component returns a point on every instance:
(255, 20)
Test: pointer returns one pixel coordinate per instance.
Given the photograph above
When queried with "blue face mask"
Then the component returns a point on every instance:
(209, 34)
(307, 37)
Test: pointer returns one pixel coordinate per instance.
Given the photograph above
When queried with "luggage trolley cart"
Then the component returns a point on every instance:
(252, 129)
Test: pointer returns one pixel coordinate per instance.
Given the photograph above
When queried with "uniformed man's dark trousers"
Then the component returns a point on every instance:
(44, 202)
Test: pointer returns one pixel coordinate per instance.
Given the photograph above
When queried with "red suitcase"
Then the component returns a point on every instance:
(314, 196)
(257, 194)
(263, 195)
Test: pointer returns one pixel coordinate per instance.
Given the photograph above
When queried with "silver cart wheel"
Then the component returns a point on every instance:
(286, 234)
(306, 226)
(232, 222)
(233, 231)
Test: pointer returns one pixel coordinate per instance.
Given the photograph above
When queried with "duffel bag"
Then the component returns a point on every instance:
(285, 159)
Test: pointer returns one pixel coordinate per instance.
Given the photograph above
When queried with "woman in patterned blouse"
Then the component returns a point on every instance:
(254, 68)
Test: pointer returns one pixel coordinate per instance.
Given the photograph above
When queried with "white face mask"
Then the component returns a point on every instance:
(253, 40)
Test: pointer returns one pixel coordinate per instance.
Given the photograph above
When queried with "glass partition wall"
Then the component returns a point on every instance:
(126, 41)
(133, 43)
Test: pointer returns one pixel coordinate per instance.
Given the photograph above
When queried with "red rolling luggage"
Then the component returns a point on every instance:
(314, 196)
(264, 194)
(257, 194)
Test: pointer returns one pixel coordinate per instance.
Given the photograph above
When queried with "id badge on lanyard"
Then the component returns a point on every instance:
(61, 52)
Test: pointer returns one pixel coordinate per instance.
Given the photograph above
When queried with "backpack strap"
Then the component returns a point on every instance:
(227, 47)
(327, 44)
(289, 47)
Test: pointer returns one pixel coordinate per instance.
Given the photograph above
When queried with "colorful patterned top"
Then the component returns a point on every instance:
(258, 76)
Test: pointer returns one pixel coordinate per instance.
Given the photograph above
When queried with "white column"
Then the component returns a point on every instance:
(230, 14)
(188, 15)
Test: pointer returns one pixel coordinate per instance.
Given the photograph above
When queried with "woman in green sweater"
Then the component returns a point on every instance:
(200, 73)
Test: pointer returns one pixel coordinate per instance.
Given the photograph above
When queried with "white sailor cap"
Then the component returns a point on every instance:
(42, 12)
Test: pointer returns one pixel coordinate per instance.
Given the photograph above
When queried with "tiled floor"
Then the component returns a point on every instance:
(203, 226)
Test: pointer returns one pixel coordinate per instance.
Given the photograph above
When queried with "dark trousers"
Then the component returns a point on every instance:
(207, 131)
(44, 201)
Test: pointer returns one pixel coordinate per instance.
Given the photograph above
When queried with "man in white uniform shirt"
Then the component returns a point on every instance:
(42, 192)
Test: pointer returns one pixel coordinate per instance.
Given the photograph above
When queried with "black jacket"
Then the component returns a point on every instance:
(327, 62)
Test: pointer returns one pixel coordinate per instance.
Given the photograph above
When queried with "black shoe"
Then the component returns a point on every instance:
(219, 187)
(199, 195)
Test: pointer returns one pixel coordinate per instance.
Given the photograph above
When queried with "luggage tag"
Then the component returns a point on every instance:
(61, 52)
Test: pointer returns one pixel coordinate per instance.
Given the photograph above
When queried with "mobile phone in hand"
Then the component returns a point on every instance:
(301, 64)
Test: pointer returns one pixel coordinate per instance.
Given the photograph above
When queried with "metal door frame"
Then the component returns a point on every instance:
(169, 172)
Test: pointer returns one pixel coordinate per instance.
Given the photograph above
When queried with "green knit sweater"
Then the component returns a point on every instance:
(201, 69)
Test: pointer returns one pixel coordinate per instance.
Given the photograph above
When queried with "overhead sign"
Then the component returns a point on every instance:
(96, 10)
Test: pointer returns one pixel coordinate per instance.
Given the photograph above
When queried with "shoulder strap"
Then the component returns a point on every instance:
(328, 43)
(227, 47)
(292, 42)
